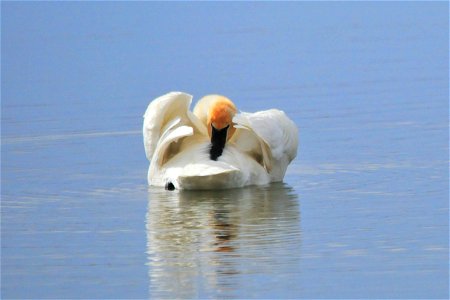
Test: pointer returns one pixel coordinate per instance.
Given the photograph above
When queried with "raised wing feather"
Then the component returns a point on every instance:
(166, 113)
(169, 136)
(270, 134)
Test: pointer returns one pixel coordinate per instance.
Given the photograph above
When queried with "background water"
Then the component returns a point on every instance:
(363, 211)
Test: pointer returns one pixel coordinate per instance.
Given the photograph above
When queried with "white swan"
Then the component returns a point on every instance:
(214, 146)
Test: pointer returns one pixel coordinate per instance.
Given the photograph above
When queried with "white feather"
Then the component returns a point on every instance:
(270, 134)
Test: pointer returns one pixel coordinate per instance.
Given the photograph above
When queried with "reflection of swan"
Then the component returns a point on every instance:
(215, 146)
(200, 243)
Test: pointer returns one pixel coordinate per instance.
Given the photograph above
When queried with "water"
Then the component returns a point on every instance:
(362, 213)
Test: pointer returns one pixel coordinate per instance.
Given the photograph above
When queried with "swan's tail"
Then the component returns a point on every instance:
(223, 180)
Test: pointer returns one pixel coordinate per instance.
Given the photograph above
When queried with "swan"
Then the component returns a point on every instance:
(215, 146)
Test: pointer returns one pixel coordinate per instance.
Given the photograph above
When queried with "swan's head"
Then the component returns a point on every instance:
(220, 124)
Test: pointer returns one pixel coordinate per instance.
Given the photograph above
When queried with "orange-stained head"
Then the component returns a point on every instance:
(220, 115)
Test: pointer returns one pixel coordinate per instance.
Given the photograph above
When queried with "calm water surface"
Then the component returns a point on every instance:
(362, 213)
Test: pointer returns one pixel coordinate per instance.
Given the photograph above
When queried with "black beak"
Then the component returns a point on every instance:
(218, 139)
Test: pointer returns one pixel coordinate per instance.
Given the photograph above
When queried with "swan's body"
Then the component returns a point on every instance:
(215, 146)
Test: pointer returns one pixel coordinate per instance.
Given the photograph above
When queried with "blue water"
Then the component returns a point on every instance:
(363, 211)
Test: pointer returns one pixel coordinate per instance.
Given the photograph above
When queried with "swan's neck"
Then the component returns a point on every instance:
(218, 140)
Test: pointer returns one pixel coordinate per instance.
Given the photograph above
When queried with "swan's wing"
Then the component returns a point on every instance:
(165, 114)
(162, 150)
(270, 134)
(247, 140)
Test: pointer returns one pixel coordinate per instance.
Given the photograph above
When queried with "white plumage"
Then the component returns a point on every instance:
(178, 143)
